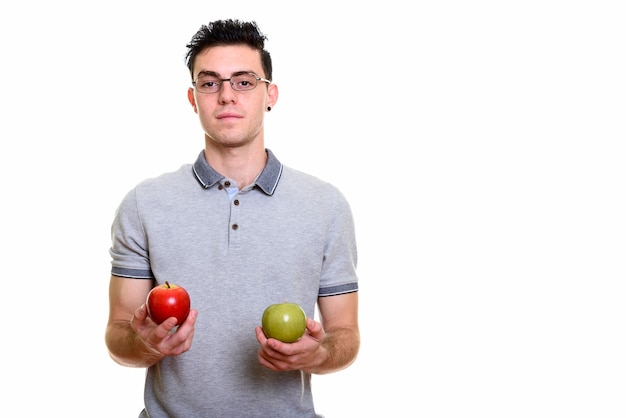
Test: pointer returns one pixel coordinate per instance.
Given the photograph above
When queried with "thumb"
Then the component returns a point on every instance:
(315, 328)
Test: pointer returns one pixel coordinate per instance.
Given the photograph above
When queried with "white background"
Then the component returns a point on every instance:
(479, 143)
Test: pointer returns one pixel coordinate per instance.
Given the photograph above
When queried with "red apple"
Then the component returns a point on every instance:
(166, 301)
(284, 321)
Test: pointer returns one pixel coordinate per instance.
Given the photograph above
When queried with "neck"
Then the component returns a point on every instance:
(241, 164)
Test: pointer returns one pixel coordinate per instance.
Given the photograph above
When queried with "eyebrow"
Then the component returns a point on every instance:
(214, 74)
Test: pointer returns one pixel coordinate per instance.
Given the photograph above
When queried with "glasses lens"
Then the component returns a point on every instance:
(243, 82)
(207, 84)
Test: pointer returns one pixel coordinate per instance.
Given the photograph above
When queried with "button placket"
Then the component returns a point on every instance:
(234, 225)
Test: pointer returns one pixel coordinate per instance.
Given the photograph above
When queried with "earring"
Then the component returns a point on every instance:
(269, 108)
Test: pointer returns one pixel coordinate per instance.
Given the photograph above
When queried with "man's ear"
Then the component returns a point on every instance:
(192, 99)
(272, 95)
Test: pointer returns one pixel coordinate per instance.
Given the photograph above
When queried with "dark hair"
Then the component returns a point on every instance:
(229, 32)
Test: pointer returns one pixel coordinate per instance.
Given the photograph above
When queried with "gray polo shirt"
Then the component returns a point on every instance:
(287, 237)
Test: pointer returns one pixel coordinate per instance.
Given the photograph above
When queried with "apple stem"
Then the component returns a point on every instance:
(167, 284)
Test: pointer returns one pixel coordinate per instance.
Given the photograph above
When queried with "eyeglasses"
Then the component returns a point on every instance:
(208, 84)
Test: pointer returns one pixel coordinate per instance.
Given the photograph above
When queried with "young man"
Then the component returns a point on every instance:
(239, 231)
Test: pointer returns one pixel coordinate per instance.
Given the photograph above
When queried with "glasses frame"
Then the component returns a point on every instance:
(232, 85)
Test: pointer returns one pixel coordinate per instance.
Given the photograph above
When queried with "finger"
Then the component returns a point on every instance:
(265, 361)
(260, 336)
(315, 329)
(191, 319)
(138, 318)
(165, 328)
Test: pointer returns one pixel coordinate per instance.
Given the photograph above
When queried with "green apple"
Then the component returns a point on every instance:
(284, 321)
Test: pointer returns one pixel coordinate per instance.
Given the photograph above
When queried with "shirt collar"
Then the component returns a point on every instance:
(266, 181)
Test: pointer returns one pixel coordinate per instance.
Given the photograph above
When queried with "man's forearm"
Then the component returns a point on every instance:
(126, 348)
(341, 346)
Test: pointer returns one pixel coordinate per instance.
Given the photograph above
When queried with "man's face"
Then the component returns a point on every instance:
(231, 118)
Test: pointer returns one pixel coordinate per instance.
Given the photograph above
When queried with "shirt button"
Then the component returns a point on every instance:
(236, 202)
(227, 183)
(220, 187)
(235, 227)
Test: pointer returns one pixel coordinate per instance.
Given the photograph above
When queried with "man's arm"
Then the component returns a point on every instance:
(326, 347)
(342, 339)
(131, 337)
